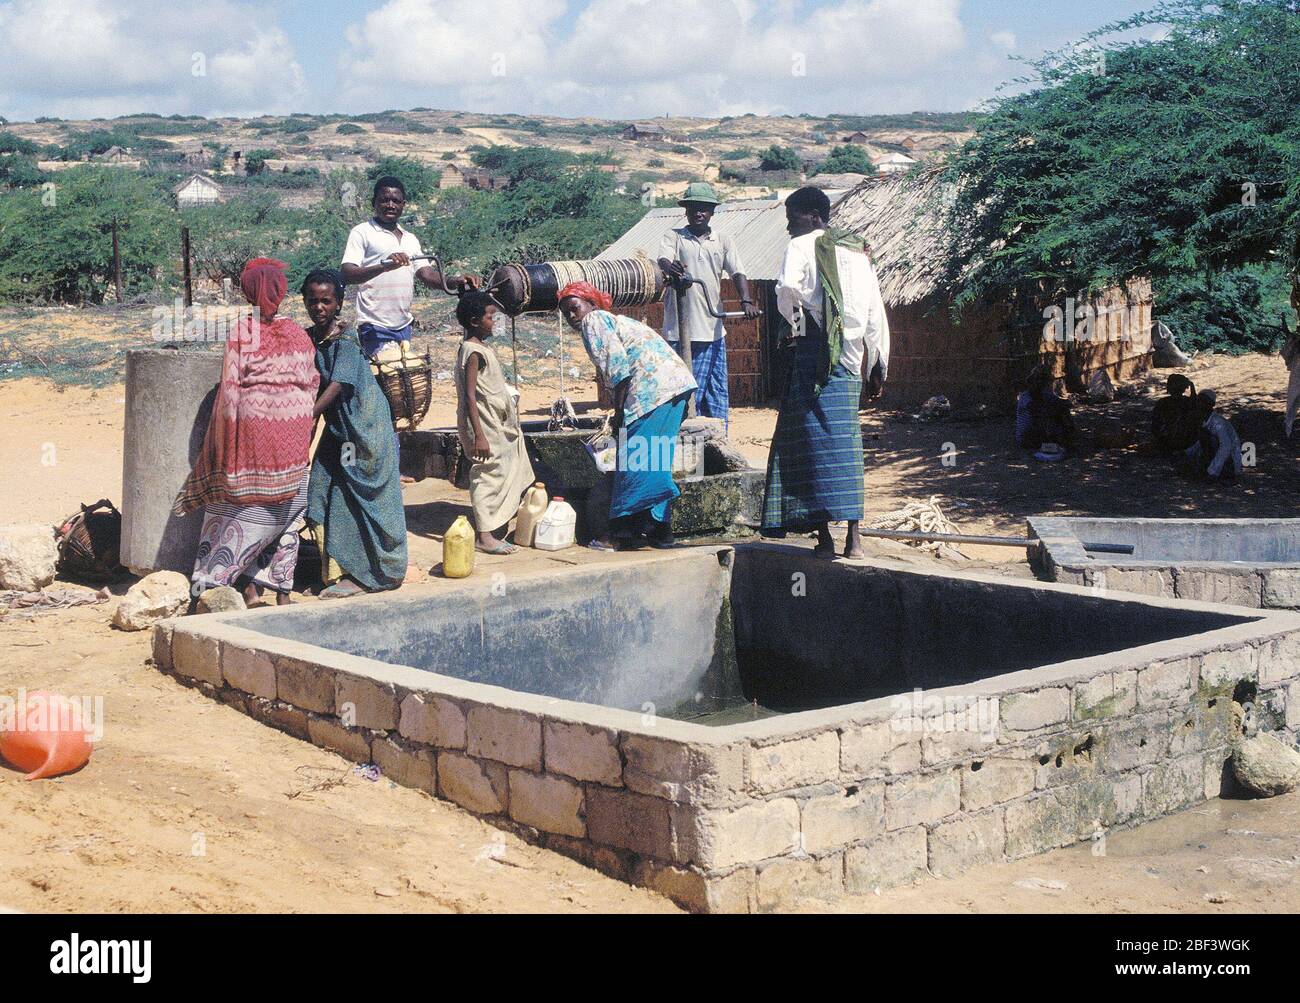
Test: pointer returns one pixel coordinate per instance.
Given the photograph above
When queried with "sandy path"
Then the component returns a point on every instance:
(177, 773)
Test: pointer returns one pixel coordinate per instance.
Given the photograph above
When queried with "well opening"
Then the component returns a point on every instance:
(721, 637)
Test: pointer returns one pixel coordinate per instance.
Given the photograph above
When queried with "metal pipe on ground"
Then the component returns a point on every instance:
(988, 541)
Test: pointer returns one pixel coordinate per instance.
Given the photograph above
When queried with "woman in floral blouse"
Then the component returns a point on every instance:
(651, 386)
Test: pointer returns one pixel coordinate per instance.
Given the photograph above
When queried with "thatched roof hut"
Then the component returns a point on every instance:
(984, 357)
(896, 217)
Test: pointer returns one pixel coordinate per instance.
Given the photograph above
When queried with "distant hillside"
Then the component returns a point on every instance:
(676, 150)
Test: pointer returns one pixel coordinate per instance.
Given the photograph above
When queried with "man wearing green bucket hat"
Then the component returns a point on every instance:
(696, 251)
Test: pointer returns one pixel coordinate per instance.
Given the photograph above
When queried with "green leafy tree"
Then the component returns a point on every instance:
(779, 158)
(226, 236)
(1242, 309)
(420, 180)
(18, 171)
(83, 145)
(219, 152)
(519, 163)
(12, 143)
(56, 244)
(847, 160)
(1175, 157)
(255, 160)
(556, 206)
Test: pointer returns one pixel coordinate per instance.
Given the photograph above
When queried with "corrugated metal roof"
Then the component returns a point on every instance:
(757, 226)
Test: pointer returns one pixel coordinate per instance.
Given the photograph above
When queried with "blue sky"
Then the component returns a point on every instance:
(600, 58)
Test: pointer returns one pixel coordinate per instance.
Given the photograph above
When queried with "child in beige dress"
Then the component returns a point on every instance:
(487, 418)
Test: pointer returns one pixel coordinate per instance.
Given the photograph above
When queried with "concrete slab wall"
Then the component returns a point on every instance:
(812, 805)
(169, 395)
(654, 635)
(878, 632)
(1240, 562)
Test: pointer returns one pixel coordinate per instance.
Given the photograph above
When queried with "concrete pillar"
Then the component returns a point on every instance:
(169, 395)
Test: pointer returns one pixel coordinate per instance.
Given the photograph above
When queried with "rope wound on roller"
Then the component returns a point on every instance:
(535, 288)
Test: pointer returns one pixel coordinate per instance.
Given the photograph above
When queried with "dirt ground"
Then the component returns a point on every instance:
(188, 805)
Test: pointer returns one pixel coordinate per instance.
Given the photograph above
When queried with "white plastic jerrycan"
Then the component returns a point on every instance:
(558, 528)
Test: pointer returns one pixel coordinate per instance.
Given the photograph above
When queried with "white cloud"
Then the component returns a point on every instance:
(409, 49)
(621, 58)
(607, 58)
(71, 58)
(1004, 40)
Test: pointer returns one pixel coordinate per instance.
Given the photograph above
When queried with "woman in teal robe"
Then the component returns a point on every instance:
(354, 498)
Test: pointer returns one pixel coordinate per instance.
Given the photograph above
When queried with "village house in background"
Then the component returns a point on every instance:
(198, 189)
(893, 163)
(479, 179)
(196, 155)
(647, 132)
(983, 359)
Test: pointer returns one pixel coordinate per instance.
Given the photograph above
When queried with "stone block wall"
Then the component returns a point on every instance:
(757, 817)
(1258, 588)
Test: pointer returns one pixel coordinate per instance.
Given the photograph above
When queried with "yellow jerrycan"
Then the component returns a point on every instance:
(458, 549)
(530, 514)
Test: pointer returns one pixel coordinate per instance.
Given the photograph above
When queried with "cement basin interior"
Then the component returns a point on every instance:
(722, 635)
(740, 727)
(1244, 562)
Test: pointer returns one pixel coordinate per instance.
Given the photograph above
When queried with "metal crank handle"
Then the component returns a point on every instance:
(437, 262)
(686, 280)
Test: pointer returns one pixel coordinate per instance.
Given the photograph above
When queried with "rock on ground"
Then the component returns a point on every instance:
(154, 597)
(222, 599)
(721, 457)
(27, 557)
(1266, 766)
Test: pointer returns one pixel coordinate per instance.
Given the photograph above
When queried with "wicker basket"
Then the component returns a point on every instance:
(408, 385)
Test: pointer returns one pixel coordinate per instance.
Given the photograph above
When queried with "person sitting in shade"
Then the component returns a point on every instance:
(836, 330)
(1217, 453)
(487, 419)
(1176, 419)
(1041, 416)
(697, 251)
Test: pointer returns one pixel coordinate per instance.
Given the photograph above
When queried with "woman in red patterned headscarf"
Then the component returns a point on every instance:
(250, 477)
(650, 385)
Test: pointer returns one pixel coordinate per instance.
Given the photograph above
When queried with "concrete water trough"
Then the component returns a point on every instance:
(744, 728)
(1243, 562)
(722, 496)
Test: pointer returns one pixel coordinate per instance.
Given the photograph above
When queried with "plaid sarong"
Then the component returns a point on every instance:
(709, 362)
(814, 469)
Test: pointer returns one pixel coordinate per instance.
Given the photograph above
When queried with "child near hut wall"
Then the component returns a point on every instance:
(487, 419)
